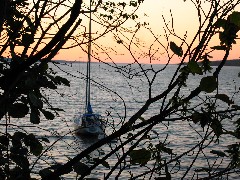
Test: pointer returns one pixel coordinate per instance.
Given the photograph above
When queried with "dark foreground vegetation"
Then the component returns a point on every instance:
(33, 32)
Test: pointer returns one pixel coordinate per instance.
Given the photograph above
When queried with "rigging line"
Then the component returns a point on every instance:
(88, 90)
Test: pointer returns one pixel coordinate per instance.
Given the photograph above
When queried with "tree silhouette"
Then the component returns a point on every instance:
(32, 33)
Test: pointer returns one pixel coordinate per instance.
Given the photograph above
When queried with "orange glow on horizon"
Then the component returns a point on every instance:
(185, 20)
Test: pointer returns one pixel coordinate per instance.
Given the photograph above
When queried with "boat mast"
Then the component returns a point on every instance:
(88, 90)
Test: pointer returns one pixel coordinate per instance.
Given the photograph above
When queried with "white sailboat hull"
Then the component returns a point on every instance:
(89, 126)
(94, 130)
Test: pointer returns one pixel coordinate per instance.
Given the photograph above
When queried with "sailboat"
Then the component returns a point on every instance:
(89, 123)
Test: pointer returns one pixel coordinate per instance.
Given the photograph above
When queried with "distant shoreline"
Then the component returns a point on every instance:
(234, 62)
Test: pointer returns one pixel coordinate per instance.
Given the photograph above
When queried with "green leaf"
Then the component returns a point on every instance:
(23, 151)
(18, 110)
(34, 116)
(206, 63)
(217, 127)
(133, 3)
(34, 144)
(48, 115)
(140, 156)
(35, 100)
(20, 160)
(194, 67)
(16, 142)
(36, 148)
(208, 84)
(62, 80)
(81, 168)
(19, 135)
(219, 153)
(104, 163)
(220, 23)
(196, 117)
(203, 118)
(142, 118)
(45, 140)
(162, 148)
(177, 50)
(235, 18)
(50, 84)
(224, 98)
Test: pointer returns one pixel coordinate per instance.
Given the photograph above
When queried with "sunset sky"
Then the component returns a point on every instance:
(151, 11)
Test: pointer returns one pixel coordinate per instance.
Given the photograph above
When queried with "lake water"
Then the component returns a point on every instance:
(118, 96)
